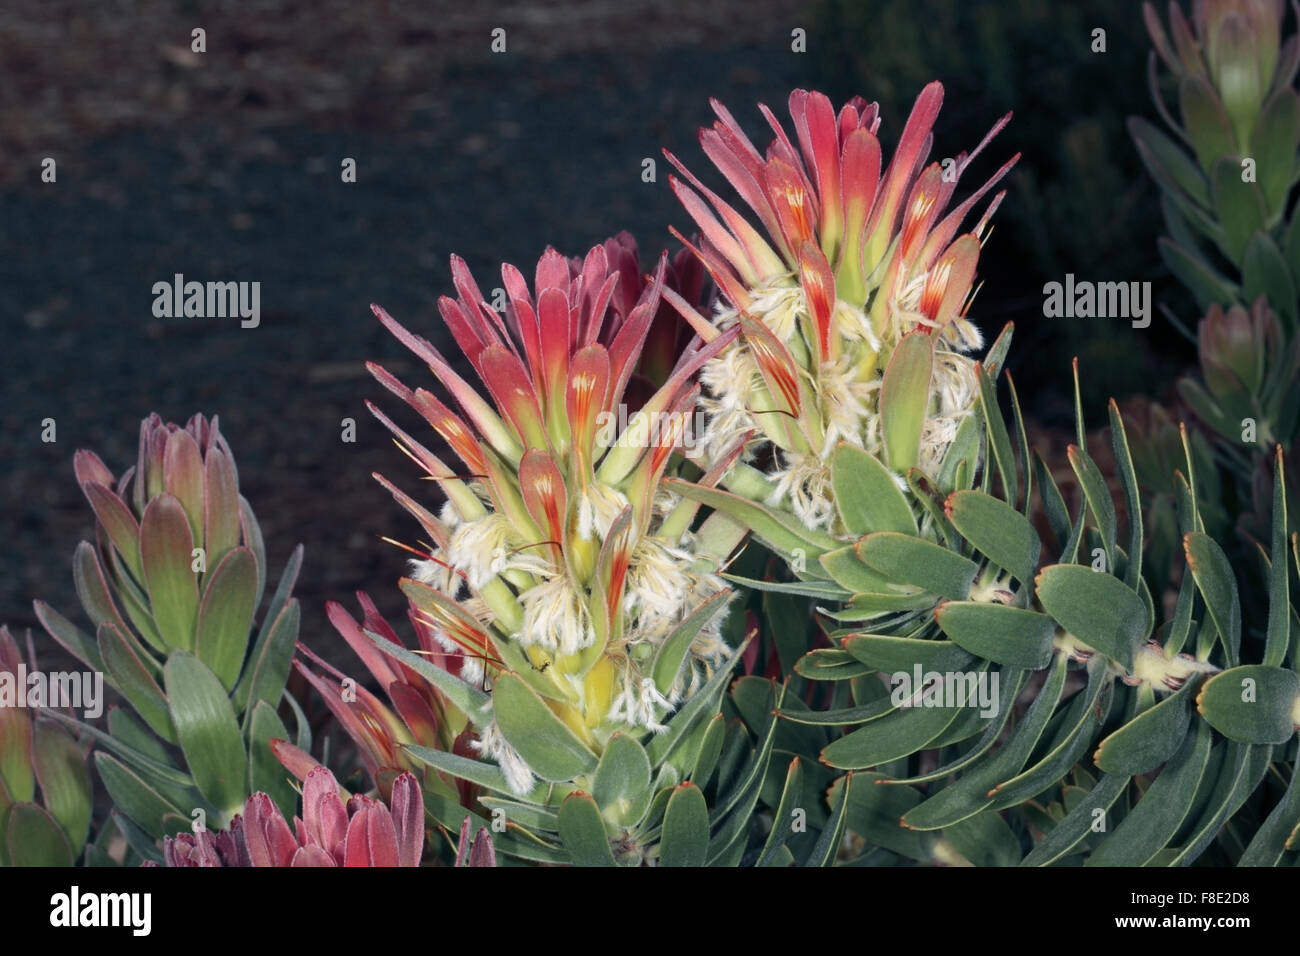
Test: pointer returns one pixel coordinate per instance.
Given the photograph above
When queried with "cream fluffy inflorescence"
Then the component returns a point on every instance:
(847, 393)
(663, 586)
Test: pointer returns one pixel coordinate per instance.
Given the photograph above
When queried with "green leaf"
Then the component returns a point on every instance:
(583, 832)
(901, 733)
(1077, 824)
(1054, 508)
(137, 840)
(134, 681)
(1207, 285)
(827, 846)
(468, 698)
(1254, 704)
(1240, 206)
(1011, 682)
(1273, 145)
(1269, 842)
(253, 538)
(1150, 825)
(783, 533)
(269, 635)
(961, 456)
(985, 840)
(64, 777)
(825, 590)
(866, 494)
(118, 523)
(1217, 583)
(1098, 497)
(72, 638)
(1132, 499)
(166, 546)
(892, 654)
(873, 811)
(705, 701)
(1087, 711)
(969, 795)
(207, 731)
(783, 819)
(481, 772)
(787, 623)
(1279, 608)
(136, 758)
(1205, 120)
(998, 531)
(1005, 635)
(1242, 768)
(830, 664)
(920, 563)
(621, 786)
(93, 588)
(135, 797)
(34, 838)
(265, 772)
(672, 652)
(226, 615)
(706, 761)
(528, 815)
(1098, 609)
(904, 395)
(1264, 272)
(684, 840)
(999, 440)
(1171, 168)
(849, 572)
(1150, 738)
(268, 669)
(544, 741)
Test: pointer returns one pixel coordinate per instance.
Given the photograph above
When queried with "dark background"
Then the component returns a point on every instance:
(225, 166)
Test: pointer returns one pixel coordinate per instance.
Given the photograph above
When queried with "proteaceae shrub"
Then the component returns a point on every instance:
(962, 663)
(172, 585)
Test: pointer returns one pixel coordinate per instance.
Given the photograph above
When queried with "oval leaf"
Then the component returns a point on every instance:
(920, 563)
(1255, 704)
(1098, 609)
(546, 744)
(1005, 635)
(685, 837)
(207, 731)
(166, 551)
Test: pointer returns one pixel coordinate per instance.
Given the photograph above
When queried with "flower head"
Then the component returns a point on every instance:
(849, 264)
(559, 552)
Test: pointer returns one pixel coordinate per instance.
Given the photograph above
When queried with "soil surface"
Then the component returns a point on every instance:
(225, 166)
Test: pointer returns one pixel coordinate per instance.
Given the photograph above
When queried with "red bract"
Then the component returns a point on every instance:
(416, 711)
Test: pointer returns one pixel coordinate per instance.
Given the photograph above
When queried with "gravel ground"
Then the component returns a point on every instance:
(225, 166)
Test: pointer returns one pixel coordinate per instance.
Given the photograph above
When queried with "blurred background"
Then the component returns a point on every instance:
(225, 165)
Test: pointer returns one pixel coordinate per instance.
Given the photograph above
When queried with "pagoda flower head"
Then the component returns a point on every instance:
(558, 555)
(850, 293)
